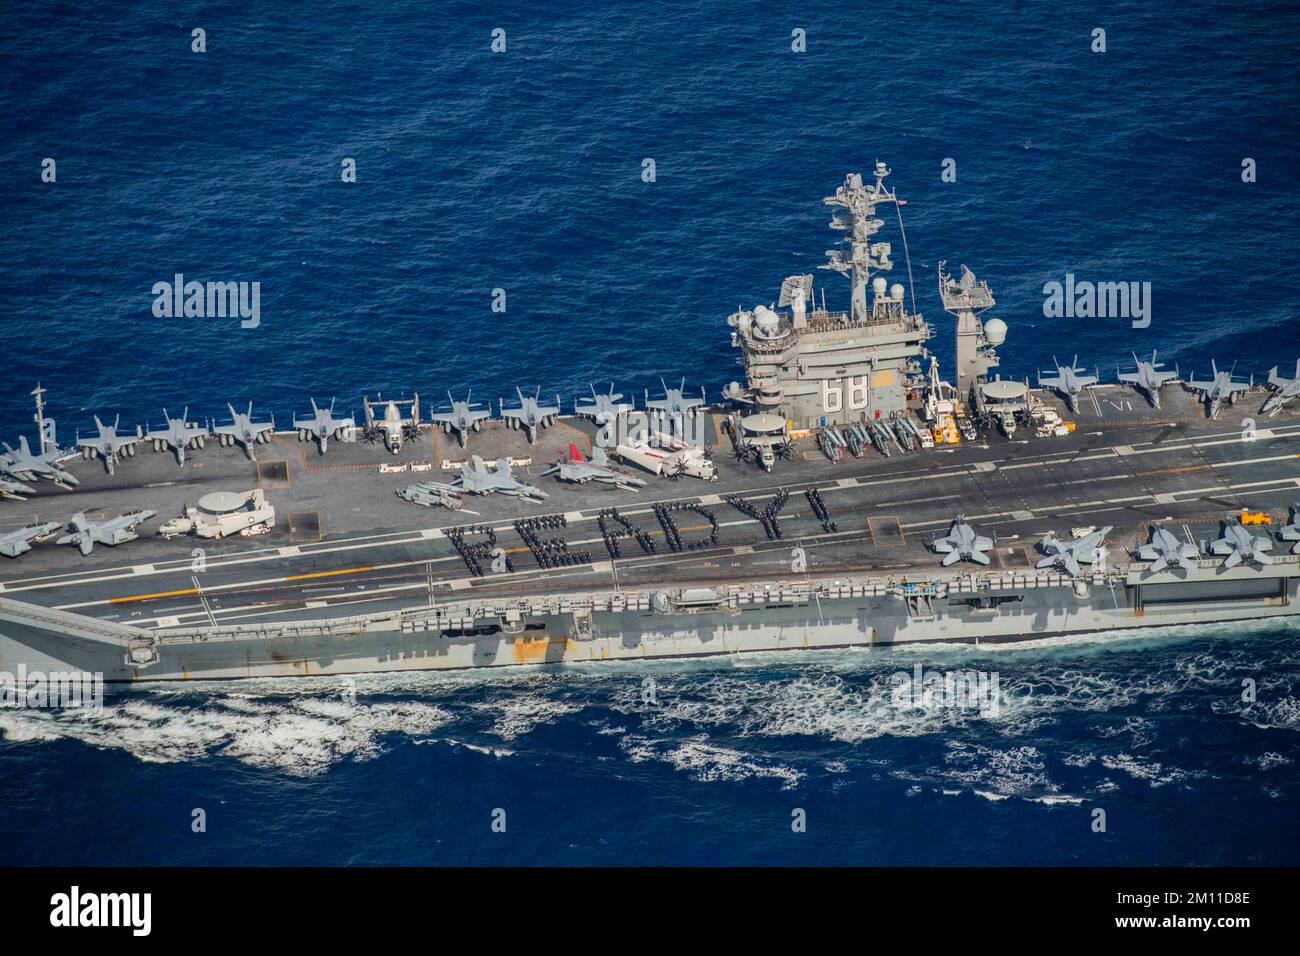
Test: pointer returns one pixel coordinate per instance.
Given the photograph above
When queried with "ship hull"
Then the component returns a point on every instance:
(802, 618)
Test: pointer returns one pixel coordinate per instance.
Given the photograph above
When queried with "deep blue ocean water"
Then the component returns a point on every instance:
(522, 171)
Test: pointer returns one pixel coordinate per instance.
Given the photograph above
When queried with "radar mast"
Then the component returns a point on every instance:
(967, 298)
(857, 257)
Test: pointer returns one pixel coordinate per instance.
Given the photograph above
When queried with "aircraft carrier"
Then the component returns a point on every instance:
(843, 495)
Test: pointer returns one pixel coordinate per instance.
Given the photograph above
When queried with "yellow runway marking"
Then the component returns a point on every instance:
(326, 574)
(1171, 471)
(146, 597)
(184, 591)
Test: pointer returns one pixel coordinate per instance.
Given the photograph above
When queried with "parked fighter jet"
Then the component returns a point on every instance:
(1068, 381)
(1291, 531)
(1166, 549)
(178, 434)
(108, 443)
(961, 542)
(476, 478)
(1218, 388)
(14, 543)
(1148, 377)
(1069, 555)
(573, 468)
(243, 431)
(15, 490)
(603, 406)
(530, 415)
(85, 534)
(321, 425)
(1287, 389)
(1240, 545)
(430, 493)
(674, 403)
(22, 464)
(462, 419)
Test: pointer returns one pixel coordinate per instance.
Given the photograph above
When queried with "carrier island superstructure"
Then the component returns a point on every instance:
(1078, 507)
(816, 367)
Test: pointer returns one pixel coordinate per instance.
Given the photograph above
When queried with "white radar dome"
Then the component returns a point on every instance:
(995, 331)
(896, 292)
(765, 319)
(878, 286)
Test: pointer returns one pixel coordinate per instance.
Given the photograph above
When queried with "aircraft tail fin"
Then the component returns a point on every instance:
(574, 454)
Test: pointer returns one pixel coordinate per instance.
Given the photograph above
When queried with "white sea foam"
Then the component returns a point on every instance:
(1152, 772)
(303, 725)
(707, 762)
(296, 736)
(1269, 760)
(1057, 799)
(1016, 771)
(519, 714)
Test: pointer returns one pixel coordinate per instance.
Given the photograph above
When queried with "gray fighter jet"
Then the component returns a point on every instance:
(1168, 551)
(1148, 377)
(1287, 389)
(321, 425)
(178, 434)
(1218, 388)
(243, 431)
(1067, 556)
(14, 543)
(603, 406)
(674, 403)
(1291, 531)
(961, 542)
(573, 468)
(15, 490)
(85, 534)
(108, 443)
(22, 464)
(531, 414)
(477, 479)
(1240, 545)
(1068, 381)
(431, 493)
(463, 418)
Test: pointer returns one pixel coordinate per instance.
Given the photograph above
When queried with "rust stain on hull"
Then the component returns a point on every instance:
(529, 650)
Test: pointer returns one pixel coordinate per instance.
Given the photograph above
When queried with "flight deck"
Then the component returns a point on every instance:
(345, 543)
